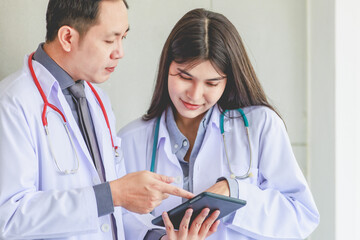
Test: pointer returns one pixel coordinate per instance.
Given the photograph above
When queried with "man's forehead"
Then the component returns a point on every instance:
(116, 33)
(113, 17)
(109, 9)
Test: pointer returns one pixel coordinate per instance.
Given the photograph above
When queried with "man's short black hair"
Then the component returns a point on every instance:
(79, 14)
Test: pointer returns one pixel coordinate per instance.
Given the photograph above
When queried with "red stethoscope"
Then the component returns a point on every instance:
(45, 122)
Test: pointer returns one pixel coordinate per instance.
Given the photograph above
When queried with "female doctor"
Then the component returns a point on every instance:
(210, 126)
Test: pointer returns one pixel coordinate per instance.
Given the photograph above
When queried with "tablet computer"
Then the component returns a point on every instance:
(213, 201)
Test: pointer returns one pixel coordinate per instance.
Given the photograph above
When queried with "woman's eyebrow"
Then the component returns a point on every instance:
(184, 72)
(211, 79)
(216, 79)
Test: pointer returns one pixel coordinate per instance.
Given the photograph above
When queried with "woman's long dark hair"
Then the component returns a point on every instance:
(202, 35)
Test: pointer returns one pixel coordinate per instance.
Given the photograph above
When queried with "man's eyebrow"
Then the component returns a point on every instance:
(211, 79)
(119, 34)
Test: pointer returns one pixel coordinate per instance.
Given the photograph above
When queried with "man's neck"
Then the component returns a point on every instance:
(55, 52)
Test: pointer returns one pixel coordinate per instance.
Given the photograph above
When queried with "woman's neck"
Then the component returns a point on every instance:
(189, 128)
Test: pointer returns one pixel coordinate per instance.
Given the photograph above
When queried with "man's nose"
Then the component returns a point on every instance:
(118, 52)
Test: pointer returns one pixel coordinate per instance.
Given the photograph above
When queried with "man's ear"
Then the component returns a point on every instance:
(67, 36)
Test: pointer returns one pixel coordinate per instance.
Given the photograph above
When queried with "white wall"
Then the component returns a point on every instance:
(22, 27)
(347, 105)
(334, 116)
(321, 102)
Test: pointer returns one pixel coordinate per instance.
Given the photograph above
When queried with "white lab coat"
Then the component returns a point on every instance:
(279, 202)
(36, 201)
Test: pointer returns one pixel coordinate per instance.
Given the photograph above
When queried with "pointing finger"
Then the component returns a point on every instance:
(173, 190)
(163, 178)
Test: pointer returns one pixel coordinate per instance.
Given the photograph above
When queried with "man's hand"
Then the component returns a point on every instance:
(141, 192)
(221, 187)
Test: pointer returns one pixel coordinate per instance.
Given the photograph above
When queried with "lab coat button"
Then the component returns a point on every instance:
(95, 180)
(177, 179)
(105, 227)
(185, 143)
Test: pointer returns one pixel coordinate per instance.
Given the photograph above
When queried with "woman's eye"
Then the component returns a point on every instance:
(211, 84)
(109, 41)
(183, 77)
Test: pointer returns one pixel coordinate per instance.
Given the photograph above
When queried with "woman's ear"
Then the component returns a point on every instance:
(67, 36)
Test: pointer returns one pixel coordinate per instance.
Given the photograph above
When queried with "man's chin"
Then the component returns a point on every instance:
(99, 80)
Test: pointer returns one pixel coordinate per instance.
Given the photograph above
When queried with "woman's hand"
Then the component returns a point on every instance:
(199, 228)
(221, 187)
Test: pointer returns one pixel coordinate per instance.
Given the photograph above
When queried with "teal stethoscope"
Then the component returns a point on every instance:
(232, 174)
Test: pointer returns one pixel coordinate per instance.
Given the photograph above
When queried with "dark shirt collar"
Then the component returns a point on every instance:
(60, 75)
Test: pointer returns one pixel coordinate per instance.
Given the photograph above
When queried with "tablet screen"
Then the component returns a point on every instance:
(213, 201)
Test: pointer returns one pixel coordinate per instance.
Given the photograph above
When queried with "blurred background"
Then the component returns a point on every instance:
(305, 52)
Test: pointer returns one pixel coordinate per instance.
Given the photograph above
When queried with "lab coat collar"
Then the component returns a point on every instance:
(215, 117)
(47, 81)
(165, 138)
(64, 79)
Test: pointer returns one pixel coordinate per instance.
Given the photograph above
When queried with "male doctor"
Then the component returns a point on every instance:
(66, 182)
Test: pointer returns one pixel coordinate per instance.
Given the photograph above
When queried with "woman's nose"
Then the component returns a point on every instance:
(195, 92)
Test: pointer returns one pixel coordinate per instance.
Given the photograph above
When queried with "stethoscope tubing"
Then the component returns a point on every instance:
(45, 122)
(43, 96)
(222, 131)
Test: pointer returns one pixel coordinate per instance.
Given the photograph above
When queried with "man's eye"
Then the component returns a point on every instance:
(109, 42)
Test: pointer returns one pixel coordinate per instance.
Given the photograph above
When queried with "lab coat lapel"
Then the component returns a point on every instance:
(164, 143)
(210, 155)
(102, 134)
(167, 164)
